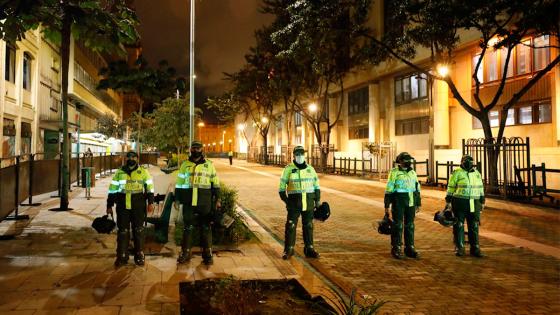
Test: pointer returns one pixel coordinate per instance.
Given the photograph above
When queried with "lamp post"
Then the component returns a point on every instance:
(200, 125)
(229, 144)
(191, 75)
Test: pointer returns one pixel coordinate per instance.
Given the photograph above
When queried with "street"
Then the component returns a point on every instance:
(522, 244)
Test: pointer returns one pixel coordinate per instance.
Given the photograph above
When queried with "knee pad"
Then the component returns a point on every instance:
(458, 224)
(124, 232)
(205, 228)
(139, 230)
(409, 225)
(290, 224)
(309, 225)
(188, 228)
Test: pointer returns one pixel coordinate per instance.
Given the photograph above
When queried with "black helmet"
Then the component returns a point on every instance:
(322, 212)
(445, 217)
(103, 224)
(385, 226)
(403, 156)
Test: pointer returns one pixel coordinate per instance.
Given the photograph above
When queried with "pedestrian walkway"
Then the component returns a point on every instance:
(521, 273)
(57, 264)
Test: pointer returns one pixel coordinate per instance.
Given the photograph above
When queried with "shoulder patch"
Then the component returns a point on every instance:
(294, 170)
(139, 171)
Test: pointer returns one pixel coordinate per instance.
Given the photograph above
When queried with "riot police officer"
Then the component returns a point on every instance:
(299, 189)
(130, 188)
(465, 195)
(197, 189)
(403, 195)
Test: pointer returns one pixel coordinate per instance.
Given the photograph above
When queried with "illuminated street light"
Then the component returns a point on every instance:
(312, 107)
(201, 124)
(241, 127)
(264, 120)
(443, 70)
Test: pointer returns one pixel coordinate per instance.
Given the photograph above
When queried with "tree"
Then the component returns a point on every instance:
(502, 26)
(99, 25)
(151, 85)
(253, 91)
(170, 125)
(108, 126)
(323, 41)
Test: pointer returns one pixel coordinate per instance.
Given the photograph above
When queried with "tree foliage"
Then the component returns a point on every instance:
(169, 127)
(108, 126)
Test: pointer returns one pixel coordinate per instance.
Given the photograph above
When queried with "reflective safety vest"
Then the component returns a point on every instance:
(230, 153)
(466, 185)
(296, 181)
(197, 176)
(131, 184)
(402, 181)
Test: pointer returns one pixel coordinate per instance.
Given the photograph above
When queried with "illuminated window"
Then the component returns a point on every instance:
(523, 57)
(541, 56)
(479, 72)
(526, 115)
(10, 71)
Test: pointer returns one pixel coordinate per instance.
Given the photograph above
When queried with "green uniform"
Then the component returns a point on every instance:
(299, 189)
(465, 191)
(403, 195)
(197, 188)
(129, 189)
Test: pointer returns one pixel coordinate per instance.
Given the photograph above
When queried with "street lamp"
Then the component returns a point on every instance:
(442, 70)
(229, 144)
(312, 107)
(264, 120)
(200, 125)
(221, 146)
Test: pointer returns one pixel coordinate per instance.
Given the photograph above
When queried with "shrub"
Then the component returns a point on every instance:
(235, 233)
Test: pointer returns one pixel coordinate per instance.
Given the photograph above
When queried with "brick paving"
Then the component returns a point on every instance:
(511, 279)
(57, 264)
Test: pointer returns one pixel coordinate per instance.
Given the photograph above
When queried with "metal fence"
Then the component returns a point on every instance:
(503, 159)
(29, 175)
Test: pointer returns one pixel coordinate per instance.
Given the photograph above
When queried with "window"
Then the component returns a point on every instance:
(503, 56)
(25, 138)
(526, 115)
(510, 120)
(10, 71)
(523, 57)
(419, 125)
(411, 87)
(491, 60)
(494, 117)
(26, 71)
(479, 72)
(358, 101)
(544, 113)
(8, 138)
(541, 56)
(297, 119)
(358, 132)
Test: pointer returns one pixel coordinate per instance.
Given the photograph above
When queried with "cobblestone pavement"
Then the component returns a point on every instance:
(520, 275)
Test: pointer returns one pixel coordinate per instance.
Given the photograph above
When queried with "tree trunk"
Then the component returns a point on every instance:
(265, 142)
(138, 150)
(65, 56)
(492, 153)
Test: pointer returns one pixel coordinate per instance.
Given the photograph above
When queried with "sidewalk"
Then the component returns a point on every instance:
(521, 273)
(58, 264)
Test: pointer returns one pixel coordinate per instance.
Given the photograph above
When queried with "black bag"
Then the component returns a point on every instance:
(103, 224)
(322, 212)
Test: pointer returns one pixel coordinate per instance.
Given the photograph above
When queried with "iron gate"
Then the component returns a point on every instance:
(510, 160)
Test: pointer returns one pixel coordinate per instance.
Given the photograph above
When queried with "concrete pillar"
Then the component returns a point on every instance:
(2, 91)
(441, 114)
(374, 119)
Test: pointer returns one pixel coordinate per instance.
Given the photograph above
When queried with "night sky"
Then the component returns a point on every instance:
(224, 32)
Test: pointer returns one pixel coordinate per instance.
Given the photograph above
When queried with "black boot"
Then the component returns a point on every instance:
(122, 247)
(409, 249)
(206, 240)
(459, 239)
(308, 250)
(473, 240)
(289, 239)
(186, 245)
(139, 258)
(396, 252)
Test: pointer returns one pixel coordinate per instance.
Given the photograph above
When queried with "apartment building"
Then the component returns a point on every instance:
(30, 96)
(394, 104)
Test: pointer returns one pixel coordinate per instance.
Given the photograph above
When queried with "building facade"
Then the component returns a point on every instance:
(392, 103)
(30, 101)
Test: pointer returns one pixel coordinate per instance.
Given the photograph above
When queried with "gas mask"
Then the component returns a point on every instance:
(467, 164)
(406, 163)
(300, 159)
(130, 163)
(196, 154)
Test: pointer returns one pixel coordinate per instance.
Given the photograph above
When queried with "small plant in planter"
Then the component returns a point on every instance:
(351, 306)
(235, 233)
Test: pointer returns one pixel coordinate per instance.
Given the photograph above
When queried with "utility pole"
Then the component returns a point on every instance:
(191, 77)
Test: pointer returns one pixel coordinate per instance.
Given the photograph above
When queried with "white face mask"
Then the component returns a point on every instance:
(300, 159)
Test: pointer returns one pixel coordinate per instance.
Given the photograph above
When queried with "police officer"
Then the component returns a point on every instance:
(130, 187)
(230, 157)
(299, 189)
(197, 189)
(465, 195)
(403, 195)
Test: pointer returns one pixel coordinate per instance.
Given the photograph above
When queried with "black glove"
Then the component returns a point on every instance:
(283, 196)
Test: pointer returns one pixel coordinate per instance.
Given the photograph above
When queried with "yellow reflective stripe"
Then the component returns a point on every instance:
(128, 200)
(195, 196)
(304, 202)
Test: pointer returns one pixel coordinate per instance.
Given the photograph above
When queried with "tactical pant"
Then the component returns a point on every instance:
(462, 210)
(402, 214)
(230, 160)
(126, 219)
(201, 216)
(295, 209)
